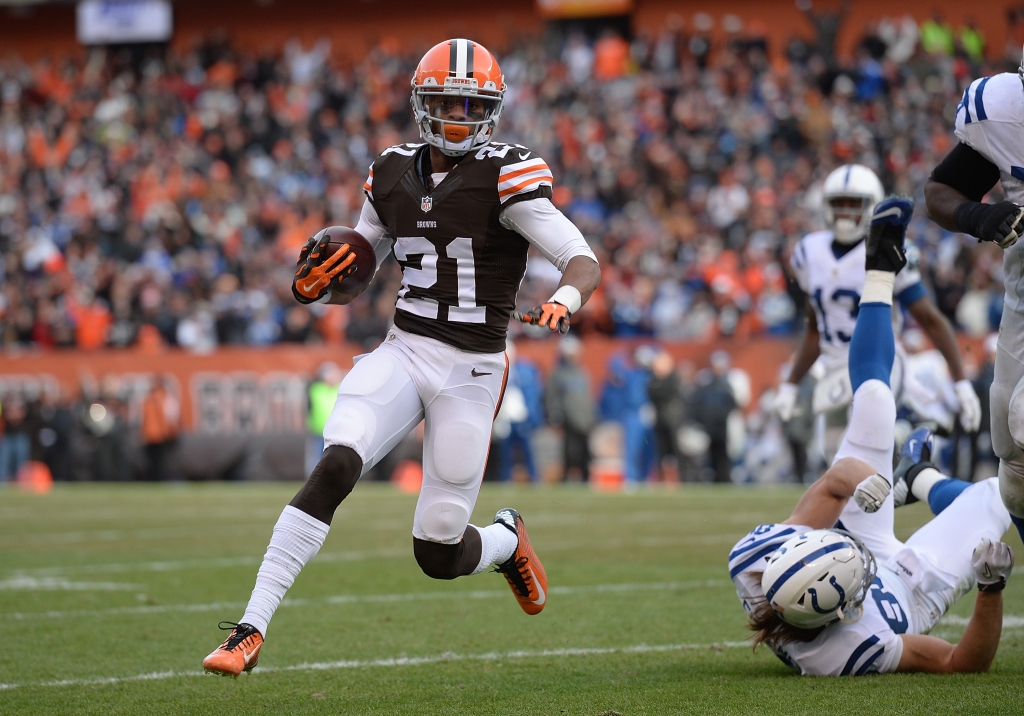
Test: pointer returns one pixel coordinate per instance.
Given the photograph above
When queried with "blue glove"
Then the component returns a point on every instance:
(889, 223)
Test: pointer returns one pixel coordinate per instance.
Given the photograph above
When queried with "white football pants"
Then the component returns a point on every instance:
(409, 378)
(1009, 371)
(935, 563)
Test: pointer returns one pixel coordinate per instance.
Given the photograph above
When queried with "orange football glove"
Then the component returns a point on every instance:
(316, 275)
(549, 315)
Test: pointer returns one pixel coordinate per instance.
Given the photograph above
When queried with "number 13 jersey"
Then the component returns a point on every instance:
(461, 267)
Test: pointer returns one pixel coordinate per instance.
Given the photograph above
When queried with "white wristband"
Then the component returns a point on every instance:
(568, 296)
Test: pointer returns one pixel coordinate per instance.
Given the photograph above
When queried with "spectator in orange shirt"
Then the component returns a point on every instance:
(161, 423)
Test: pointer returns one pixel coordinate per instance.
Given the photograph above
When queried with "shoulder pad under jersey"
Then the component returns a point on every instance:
(520, 170)
(389, 156)
(999, 98)
(990, 120)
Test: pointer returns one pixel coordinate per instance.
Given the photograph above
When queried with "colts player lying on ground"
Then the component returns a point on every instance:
(855, 600)
(460, 213)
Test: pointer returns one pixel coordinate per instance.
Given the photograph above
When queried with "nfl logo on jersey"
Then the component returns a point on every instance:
(425, 203)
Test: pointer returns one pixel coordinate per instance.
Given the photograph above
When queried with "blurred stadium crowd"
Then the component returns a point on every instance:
(150, 196)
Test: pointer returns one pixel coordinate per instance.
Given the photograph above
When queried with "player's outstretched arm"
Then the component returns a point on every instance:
(992, 563)
(821, 505)
(953, 197)
(809, 350)
(561, 243)
(940, 201)
(583, 274)
(938, 328)
(806, 354)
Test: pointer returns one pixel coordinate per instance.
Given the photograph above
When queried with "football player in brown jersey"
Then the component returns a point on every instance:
(460, 212)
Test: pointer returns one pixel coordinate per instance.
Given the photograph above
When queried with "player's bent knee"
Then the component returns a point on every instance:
(438, 561)
(443, 522)
(1011, 488)
(458, 452)
(1015, 415)
(329, 484)
(873, 416)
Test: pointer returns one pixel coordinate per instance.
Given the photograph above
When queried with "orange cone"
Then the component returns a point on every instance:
(35, 477)
(408, 476)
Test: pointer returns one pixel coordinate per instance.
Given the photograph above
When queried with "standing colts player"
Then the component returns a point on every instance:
(990, 127)
(829, 267)
(855, 601)
(460, 213)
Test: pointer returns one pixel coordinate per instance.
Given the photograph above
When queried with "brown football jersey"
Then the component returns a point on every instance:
(461, 269)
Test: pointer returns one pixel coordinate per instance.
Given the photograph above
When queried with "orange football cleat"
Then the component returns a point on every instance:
(239, 652)
(524, 572)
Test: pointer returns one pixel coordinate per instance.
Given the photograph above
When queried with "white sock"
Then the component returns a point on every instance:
(296, 540)
(925, 481)
(878, 286)
(497, 544)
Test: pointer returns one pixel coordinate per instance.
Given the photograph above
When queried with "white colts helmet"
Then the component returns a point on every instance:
(857, 183)
(818, 577)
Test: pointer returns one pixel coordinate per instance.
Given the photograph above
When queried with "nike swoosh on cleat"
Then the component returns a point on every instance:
(911, 445)
(539, 601)
(249, 655)
(475, 374)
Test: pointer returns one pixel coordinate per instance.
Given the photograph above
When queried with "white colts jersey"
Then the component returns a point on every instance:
(990, 120)
(833, 285)
(872, 644)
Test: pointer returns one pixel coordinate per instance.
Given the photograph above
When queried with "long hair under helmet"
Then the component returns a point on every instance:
(819, 577)
(858, 183)
(461, 70)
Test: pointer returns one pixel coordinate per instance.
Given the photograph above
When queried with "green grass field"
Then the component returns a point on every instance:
(110, 597)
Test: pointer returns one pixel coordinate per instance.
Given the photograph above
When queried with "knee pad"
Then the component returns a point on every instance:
(1015, 414)
(443, 522)
(330, 482)
(458, 452)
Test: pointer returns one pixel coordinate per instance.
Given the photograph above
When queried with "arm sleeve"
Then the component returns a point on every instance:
(967, 171)
(548, 229)
(373, 230)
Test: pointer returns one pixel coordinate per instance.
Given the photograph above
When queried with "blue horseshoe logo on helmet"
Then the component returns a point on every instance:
(814, 597)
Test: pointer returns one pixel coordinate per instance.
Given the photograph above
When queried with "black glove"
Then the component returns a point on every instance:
(1000, 223)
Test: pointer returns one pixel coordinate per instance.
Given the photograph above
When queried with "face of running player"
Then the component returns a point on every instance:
(456, 109)
(849, 208)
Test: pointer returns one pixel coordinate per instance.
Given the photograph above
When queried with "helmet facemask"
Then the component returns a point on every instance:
(459, 116)
(849, 216)
(853, 609)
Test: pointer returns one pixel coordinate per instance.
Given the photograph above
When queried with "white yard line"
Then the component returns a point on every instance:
(392, 662)
(350, 556)
(367, 599)
(1009, 622)
(213, 563)
(59, 584)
